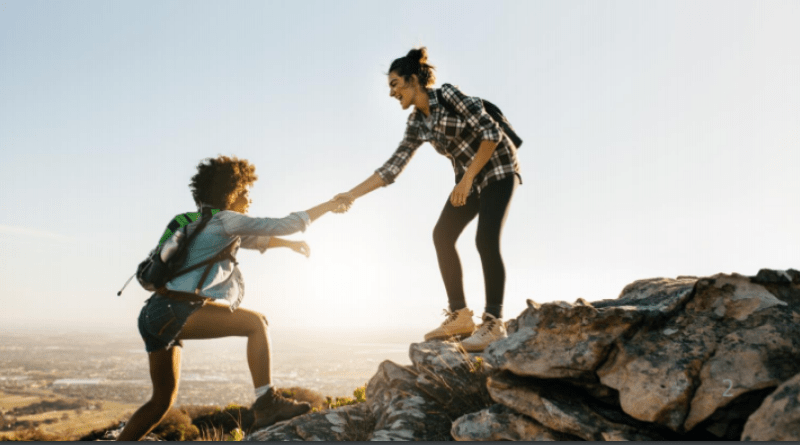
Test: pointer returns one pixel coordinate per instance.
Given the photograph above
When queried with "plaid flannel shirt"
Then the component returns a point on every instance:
(448, 126)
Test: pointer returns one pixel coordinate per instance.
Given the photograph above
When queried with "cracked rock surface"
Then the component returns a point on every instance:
(690, 358)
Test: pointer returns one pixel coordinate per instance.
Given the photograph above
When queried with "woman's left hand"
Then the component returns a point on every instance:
(301, 247)
(460, 193)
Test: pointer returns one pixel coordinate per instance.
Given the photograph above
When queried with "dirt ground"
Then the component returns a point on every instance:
(69, 424)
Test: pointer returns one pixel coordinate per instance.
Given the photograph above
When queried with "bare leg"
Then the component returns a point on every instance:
(165, 372)
(216, 320)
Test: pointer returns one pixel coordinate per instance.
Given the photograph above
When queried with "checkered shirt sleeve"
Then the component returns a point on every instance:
(392, 168)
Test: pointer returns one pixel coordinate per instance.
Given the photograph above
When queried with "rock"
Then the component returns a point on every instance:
(744, 361)
(350, 423)
(281, 431)
(732, 337)
(402, 412)
(499, 422)
(566, 341)
(657, 296)
(114, 433)
(560, 408)
(450, 376)
(670, 359)
(778, 418)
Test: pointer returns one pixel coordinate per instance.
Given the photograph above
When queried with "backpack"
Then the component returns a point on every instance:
(163, 262)
(493, 111)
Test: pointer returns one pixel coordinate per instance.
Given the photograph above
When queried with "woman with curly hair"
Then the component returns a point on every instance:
(487, 171)
(203, 304)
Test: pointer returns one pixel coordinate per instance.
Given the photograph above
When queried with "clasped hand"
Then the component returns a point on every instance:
(344, 201)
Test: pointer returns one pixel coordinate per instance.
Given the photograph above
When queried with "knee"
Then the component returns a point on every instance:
(162, 401)
(257, 322)
(487, 245)
(442, 237)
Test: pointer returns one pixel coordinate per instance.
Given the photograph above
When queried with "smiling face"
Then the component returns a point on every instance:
(405, 92)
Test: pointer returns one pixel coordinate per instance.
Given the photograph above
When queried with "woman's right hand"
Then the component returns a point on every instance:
(344, 202)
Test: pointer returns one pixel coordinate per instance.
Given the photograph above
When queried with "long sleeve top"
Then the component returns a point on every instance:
(224, 280)
(441, 127)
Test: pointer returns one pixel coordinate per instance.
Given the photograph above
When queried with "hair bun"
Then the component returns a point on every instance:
(415, 63)
(418, 55)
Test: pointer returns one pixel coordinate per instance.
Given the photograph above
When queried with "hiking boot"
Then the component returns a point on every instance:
(492, 329)
(457, 324)
(273, 407)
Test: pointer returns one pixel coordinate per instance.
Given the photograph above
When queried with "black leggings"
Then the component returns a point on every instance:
(492, 207)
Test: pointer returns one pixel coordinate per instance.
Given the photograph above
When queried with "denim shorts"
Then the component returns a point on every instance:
(162, 319)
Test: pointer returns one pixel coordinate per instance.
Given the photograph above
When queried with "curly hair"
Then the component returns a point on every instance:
(219, 181)
(415, 62)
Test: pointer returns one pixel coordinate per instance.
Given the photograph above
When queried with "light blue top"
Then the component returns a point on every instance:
(224, 281)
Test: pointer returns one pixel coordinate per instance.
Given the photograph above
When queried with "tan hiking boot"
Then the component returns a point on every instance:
(457, 324)
(273, 407)
(491, 330)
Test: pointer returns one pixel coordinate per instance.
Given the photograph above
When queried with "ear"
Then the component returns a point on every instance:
(414, 80)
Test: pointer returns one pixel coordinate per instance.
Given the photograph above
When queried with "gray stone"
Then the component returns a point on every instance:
(731, 338)
(567, 341)
(350, 423)
(402, 412)
(558, 407)
(778, 418)
(499, 422)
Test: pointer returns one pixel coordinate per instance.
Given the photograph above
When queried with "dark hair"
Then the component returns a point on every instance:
(415, 62)
(219, 181)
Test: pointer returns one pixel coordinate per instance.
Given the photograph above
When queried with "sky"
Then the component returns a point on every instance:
(661, 139)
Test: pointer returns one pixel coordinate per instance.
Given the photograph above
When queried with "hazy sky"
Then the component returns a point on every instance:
(661, 139)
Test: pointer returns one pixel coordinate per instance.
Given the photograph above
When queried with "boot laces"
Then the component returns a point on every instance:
(486, 327)
(451, 316)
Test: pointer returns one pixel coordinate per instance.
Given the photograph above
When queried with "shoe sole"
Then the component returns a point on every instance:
(449, 336)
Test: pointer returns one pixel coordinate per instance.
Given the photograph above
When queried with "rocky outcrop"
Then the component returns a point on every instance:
(669, 359)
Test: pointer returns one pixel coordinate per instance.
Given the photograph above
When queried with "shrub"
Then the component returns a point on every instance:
(225, 420)
(176, 425)
(359, 395)
(304, 395)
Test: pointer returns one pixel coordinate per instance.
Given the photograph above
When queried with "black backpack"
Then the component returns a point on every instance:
(153, 273)
(493, 111)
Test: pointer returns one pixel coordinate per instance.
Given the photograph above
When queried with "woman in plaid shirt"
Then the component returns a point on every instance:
(487, 172)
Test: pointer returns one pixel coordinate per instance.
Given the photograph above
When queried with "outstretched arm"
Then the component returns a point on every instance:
(298, 246)
(321, 209)
(369, 184)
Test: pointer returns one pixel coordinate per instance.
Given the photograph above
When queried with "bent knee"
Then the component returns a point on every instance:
(442, 236)
(161, 402)
(256, 321)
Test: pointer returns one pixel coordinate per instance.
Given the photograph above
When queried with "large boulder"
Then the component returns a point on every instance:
(686, 353)
(778, 418)
(669, 359)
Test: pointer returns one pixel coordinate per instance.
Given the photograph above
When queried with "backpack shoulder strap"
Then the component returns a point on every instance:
(447, 105)
(493, 111)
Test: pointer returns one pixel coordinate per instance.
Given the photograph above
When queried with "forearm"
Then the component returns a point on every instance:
(370, 184)
(274, 241)
(483, 155)
(317, 211)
